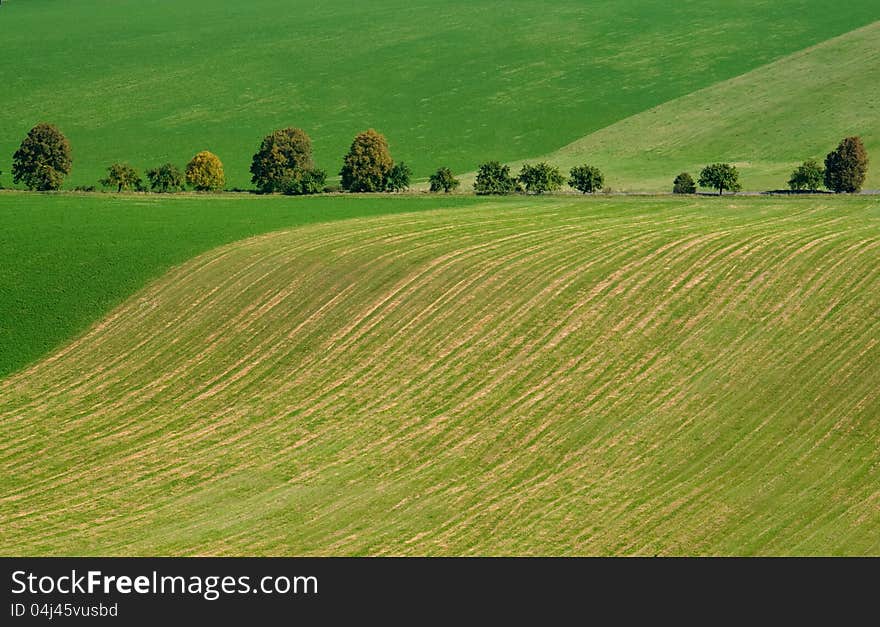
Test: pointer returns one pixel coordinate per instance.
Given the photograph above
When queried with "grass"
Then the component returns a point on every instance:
(525, 376)
(767, 122)
(451, 84)
(68, 259)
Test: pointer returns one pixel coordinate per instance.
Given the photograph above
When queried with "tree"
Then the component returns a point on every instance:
(541, 178)
(684, 184)
(720, 176)
(43, 159)
(304, 182)
(282, 154)
(367, 164)
(494, 178)
(586, 179)
(443, 180)
(399, 178)
(808, 176)
(205, 172)
(166, 178)
(123, 177)
(847, 166)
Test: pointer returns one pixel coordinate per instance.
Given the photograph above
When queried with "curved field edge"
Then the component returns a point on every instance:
(540, 377)
(451, 84)
(69, 259)
(767, 122)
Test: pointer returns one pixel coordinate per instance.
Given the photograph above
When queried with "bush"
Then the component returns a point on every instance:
(808, 176)
(205, 172)
(443, 180)
(494, 178)
(368, 163)
(43, 159)
(720, 176)
(123, 177)
(304, 182)
(847, 166)
(282, 155)
(399, 178)
(684, 184)
(586, 179)
(541, 178)
(166, 179)
(84, 188)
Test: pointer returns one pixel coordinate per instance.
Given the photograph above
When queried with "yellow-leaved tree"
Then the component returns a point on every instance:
(205, 172)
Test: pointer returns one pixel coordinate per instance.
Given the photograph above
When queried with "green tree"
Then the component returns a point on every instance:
(720, 176)
(586, 179)
(123, 177)
(282, 154)
(166, 179)
(399, 178)
(367, 164)
(205, 172)
(494, 178)
(808, 176)
(43, 159)
(304, 182)
(684, 184)
(443, 180)
(847, 166)
(541, 178)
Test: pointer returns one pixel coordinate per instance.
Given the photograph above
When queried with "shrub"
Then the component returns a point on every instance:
(586, 179)
(847, 166)
(304, 182)
(282, 154)
(541, 178)
(43, 159)
(443, 180)
(494, 178)
(367, 164)
(166, 179)
(205, 172)
(84, 188)
(684, 184)
(720, 176)
(399, 178)
(123, 177)
(808, 176)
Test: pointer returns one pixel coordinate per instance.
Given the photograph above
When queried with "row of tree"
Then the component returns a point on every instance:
(284, 164)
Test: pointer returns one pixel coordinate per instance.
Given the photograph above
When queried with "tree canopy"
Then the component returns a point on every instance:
(368, 163)
(205, 172)
(166, 178)
(847, 166)
(720, 176)
(541, 178)
(123, 177)
(808, 176)
(43, 159)
(494, 178)
(443, 180)
(283, 155)
(586, 179)
(684, 184)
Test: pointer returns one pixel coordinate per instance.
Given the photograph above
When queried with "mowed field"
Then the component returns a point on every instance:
(525, 376)
(452, 84)
(70, 258)
(767, 122)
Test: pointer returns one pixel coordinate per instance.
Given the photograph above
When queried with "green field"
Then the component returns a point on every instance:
(68, 259)
(451, 84)
(525, 376)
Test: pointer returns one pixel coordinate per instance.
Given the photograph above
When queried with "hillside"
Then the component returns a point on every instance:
(767, 121)
(68, 259)
(451, 84)
(525, 377)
